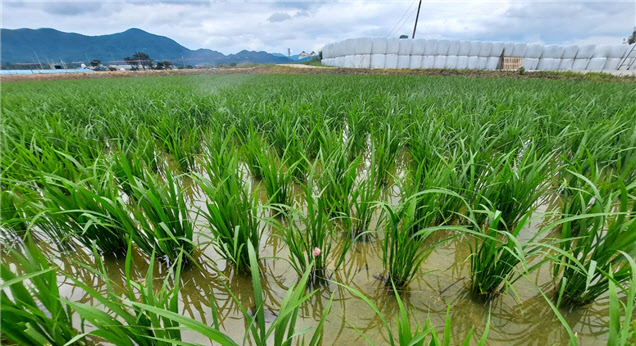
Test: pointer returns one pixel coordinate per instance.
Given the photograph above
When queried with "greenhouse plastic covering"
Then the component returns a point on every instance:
(403, 61)
(391, 53)
(440, 61)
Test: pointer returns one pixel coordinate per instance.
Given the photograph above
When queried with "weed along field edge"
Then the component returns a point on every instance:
(282, 208)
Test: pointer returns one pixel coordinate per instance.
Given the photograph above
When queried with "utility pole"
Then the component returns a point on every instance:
(289, 54)
(417, 16)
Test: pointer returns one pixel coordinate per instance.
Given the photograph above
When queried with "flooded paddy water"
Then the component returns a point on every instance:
(506, 141)
(519, 316)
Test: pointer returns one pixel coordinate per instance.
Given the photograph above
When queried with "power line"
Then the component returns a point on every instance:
(406, 20)
(396, 24)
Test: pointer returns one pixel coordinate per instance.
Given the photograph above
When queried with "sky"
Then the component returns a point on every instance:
(231, 26)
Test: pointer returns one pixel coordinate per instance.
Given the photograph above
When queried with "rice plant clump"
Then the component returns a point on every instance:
(310, 234)
(163, 217)
(90, 210)
(594, 233)
(231, 210)
(498, 258)
(34, 314)
(403, 249)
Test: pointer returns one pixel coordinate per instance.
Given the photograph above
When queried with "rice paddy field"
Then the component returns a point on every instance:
(318, 209)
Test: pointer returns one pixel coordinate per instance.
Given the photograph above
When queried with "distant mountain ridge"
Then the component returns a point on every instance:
(50, 45)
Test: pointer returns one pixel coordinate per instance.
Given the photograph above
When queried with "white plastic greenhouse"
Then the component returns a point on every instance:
(393, 53)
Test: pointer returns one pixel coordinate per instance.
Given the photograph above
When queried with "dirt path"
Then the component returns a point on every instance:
(302, 66)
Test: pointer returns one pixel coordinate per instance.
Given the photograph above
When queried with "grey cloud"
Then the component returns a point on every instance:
(278, 17)
(71, 8)
(232, 26)
(303, 13)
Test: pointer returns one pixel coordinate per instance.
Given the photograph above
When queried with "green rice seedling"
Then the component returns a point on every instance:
(495, 256)
(514, 186)
(408, 333)
(163, 217)
(622, 333)
(13, 220)
(329, 138)
(90, 210)
(385, 147)
(283, 131)
(184, 145)
(120, 320)
(432, 208)
(607, 141)
(338, 176)
(425, 142)
(146, 149)
(357, 131)
(231, 211)
(38, 156)
(220, 156)
(310, 234)
(363, 204)
(251, 150)
(277, 177)
(32, 314)
(283, 329)
(127, 165)
(592, 235)
(295, 153)
(402, 248)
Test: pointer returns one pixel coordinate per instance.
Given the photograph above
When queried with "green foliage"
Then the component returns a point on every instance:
(310, 235)
(82, 166)
(595, 231)
(163, 217)
(496, 256)
(231, 208)
(90, 210)
(34, 314)
(622, 332)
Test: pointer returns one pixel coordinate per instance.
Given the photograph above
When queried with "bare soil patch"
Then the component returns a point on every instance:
(284, 69)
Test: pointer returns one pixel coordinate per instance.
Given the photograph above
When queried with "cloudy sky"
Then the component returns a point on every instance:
(230, 26)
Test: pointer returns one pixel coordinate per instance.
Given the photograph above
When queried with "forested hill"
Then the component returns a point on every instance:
(50, 45)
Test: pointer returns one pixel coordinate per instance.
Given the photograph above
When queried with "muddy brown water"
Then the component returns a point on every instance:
(522, 316)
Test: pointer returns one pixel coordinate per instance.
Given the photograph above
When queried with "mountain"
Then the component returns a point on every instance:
(29, 45)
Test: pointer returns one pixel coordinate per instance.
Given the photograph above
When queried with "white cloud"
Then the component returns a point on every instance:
(275, 26)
